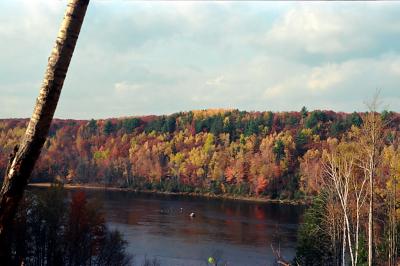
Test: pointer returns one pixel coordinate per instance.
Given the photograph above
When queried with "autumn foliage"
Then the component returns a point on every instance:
(274, 155)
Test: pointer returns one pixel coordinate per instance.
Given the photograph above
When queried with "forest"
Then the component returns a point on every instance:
(219, 152)
(346, 166)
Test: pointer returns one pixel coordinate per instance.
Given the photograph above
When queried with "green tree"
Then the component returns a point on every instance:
(130, 124)
(92, 126)
(301, 142)
(304, 112)
(291, 120)
(108, 128)
(313, 244)
(251, 128)
(279, 150)
(386, 116)
(314, 118)
(337, 128)
(354, 119)
(170, 124)
(270, 119)
(217, 125)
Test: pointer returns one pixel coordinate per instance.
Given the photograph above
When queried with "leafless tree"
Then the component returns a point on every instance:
(338, 167)
(346, 184)
(370, 144)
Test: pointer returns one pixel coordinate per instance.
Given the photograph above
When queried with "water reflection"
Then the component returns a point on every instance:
(157, 225)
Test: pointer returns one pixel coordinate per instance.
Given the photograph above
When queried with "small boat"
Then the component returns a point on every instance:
(192, 214)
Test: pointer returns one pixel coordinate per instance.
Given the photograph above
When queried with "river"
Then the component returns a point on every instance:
(236, 232)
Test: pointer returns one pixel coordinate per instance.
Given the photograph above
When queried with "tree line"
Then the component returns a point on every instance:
(265, 154)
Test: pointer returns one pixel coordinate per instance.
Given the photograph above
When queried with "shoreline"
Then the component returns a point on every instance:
(190, 194)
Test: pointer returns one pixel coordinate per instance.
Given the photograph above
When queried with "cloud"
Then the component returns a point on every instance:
(312, 30)
(326, 29)
(345, 84)
(123, 87)
(276, 90)
(325, 77)
(150, 58)
(216, 82)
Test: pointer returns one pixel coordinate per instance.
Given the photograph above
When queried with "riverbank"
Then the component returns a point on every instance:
(190, 194)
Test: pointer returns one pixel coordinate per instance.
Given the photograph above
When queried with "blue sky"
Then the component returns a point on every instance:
(136, 58)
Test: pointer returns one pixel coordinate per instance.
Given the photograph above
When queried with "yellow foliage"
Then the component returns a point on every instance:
(198, 114)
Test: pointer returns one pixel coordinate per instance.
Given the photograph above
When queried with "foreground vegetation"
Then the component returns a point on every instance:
(354, 219)
(50, 230)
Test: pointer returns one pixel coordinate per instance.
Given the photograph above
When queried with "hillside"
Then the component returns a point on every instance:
(274, 155)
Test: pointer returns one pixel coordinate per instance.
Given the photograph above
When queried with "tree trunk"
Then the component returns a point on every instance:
(23, 159)
(372, 165)
(344, 244)
(372, 128)
(370, 221)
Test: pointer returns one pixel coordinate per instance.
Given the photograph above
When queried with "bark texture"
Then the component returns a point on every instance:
(24, 157)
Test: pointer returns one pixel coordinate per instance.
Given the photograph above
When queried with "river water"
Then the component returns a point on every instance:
(235, 232)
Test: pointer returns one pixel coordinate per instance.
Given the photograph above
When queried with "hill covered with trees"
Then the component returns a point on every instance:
(231, 152)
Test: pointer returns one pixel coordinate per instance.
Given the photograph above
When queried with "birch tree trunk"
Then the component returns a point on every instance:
(23, 159)
(371, 211)
(343, 182)
(372, 130)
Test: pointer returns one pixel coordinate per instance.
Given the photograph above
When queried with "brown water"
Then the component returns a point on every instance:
(239, 233)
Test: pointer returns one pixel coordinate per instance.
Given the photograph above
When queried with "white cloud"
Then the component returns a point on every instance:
(325, 77)
(329, 29)
(216, 82)
(352, 79)
(275, 91)
(123, 87)
(313, 30)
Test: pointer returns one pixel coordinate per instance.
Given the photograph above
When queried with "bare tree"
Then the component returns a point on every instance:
(360, 193)
(338, 167)
(351, 168)
(334, 224)
(24, 157)
(370, 145)
(348, 184)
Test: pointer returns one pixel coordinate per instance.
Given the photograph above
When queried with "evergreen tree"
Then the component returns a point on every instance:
(108, 128)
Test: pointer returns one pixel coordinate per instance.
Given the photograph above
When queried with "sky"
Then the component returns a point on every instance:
(141, 58)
